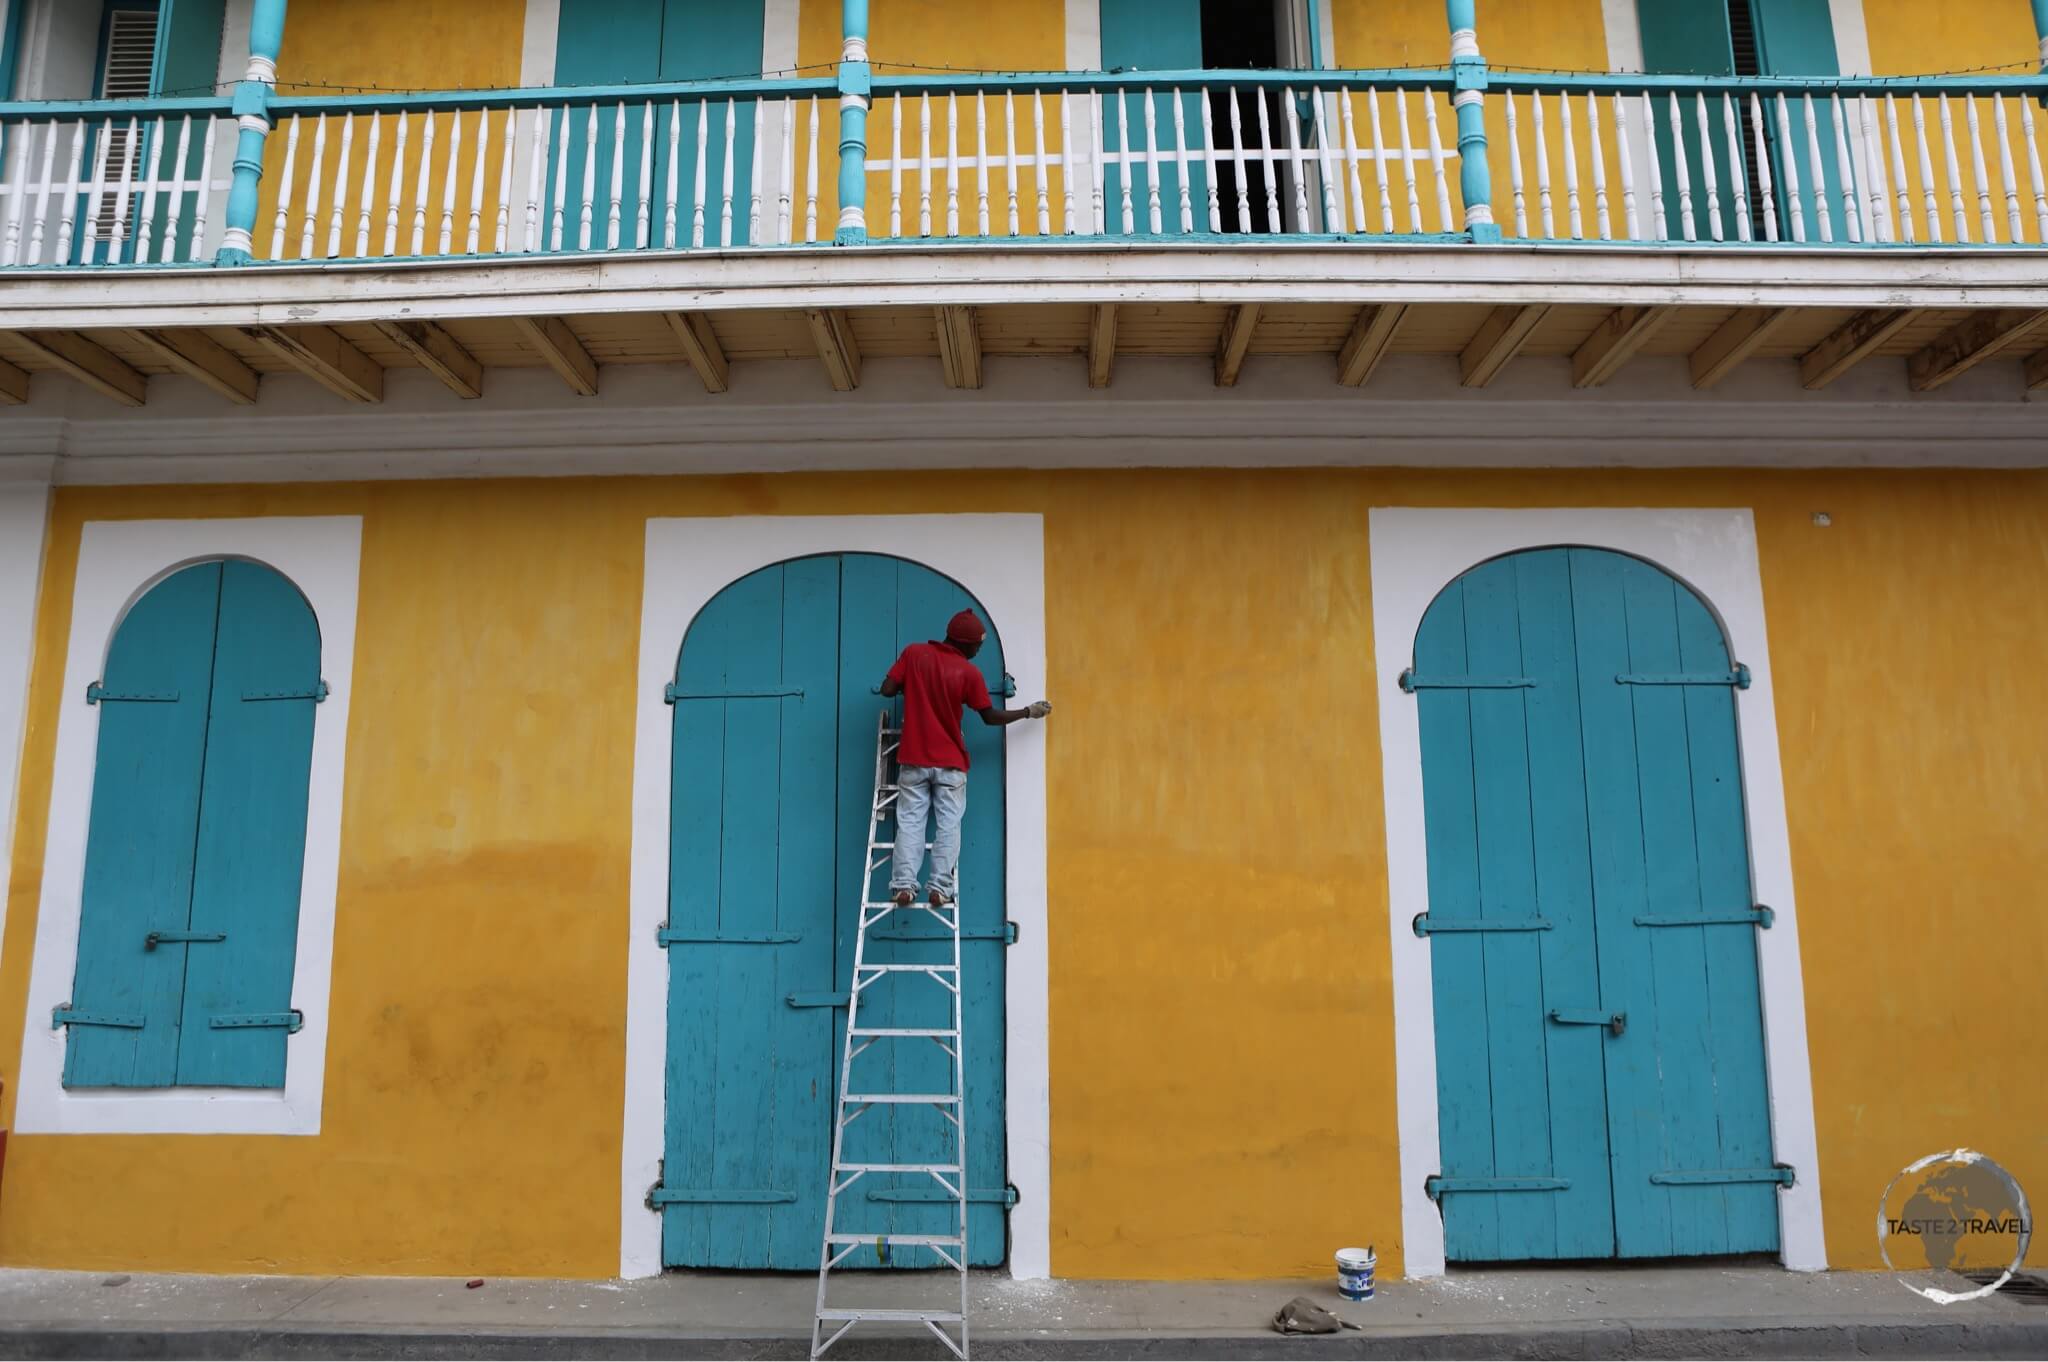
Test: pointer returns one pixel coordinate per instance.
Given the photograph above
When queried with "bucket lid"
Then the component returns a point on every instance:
(1358, 1256)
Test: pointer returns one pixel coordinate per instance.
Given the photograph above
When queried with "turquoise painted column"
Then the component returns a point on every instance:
(1468, 74)
(855, 83)
(252, 112)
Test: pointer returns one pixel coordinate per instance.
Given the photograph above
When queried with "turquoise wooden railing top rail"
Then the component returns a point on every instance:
(1159, 157)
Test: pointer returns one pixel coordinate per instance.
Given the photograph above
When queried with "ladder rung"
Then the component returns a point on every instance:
(906, 1240)
(905, 1031)
(894, 1316)
(937, 1099)
(896, 1168)
(911, 969)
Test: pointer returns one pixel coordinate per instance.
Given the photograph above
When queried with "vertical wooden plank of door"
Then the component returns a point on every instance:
(1736, 1038)
(868, 635)
(805, 1068)
(1564, 897)
(1642, 1214)
(145, 810)
(697, 801)
(1457, 961)
(706, 40)
(1515, 1021)
(1678, 967)
(251, 848)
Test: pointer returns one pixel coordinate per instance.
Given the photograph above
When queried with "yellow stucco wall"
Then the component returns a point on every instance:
(1217, 861)
(1908, 37)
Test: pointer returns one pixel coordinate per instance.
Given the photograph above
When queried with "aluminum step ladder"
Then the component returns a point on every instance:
(951, 1178)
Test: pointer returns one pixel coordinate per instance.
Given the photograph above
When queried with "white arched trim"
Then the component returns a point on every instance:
(320, 556)
(1000, 561)
(1415, 554)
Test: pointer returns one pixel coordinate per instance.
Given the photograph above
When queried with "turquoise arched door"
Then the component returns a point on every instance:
(1599, 1038)
(189, 915)
(774, 757)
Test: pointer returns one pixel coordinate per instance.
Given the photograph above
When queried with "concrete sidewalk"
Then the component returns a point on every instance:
(1604, 1312)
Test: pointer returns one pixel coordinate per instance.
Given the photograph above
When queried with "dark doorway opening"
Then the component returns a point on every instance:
(1240, 36)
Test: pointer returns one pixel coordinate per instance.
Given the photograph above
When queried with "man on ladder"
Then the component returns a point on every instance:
(937, 681)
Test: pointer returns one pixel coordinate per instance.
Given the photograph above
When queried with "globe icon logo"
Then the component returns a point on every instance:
(1955, 1212)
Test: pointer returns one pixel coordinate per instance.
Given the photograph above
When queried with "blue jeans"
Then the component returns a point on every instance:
(922, 787)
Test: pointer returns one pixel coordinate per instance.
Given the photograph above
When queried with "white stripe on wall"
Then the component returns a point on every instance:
(1084, 35)
(1624, 36)
(537, 49)
(24, 522)
(1852, 36)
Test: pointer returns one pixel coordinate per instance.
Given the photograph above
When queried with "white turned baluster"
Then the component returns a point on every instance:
(450, 176)
(675, 170)
(17, 185)
(146, 226)
(1763, 169)
(343, 166)
(559, 226)
(1661, 225)
(1955, 171)
(811, 177)
(1044, 170)
(1710, 175)
(1738, 169)
(196, 249)
(1899, 183)
(614, 212)
(1180, 156)
(700, 180)
(586, 210)
(1794, 202)
(1010, 159)
(366, 202)
(131, 150)
(981, 164)
(1098, 172)
(1296, 166)
(643, 216)
(308, 223)
(1545, 206)
(174, 217)
(1069, 158)
(896, 167)
(1823, 217)
(1985, 215)
(395, 189)
(67, 211)
(1209, 162)
(501, 240)
(924, 168)
(1516, 179)
(1445, 222)
(44, 181)
(754, 182)
(1274, 224)
(1631, 205)
(725, 193)
(536, 178)
(1326, 165)
(953, 171)
(1682, 171)
(284, 190)
(1244, 199)
(1567, 135)
(1929, 196)
(1858, 227)
(786, 186)
(1596, 147)
(1153, 216)
(2016, 230)
(1379, 162)
(423, 184)
(1408, 162)
(2034, 176)
(1351, 156)
(1873, 173)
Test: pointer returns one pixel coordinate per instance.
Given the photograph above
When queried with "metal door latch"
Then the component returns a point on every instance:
(1616, 1022)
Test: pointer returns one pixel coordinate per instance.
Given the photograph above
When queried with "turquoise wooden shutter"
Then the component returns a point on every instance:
(1139, 36)
(252, 834)
(1690, 38)
(1797, 38)
(188, 48)
(125, 996)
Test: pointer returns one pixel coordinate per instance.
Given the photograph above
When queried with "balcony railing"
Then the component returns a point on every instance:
(1198, 156)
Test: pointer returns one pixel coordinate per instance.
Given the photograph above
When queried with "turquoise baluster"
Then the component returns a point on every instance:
(252, 110)
(1468, 74)
(855, 83)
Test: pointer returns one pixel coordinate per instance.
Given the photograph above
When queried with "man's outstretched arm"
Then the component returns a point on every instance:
(891, 687)
(996, 718)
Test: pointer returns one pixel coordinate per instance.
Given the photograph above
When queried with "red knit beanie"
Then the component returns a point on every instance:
(966, 627)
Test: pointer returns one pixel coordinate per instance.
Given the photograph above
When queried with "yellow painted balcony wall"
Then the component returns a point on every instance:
(1217, 861)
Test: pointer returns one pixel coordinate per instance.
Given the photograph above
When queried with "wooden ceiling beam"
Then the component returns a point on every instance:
(324, 355)
(2037, 371)
(1235, 343)
(702, 350)
(201, 358)
(555, 343)
(1615, 342)
(1101, 345)
(959, 346)
(439, 353)
(1372, 337)
(91, 364)
(1502, 336)
(832, 334)
(1853, 342)
(13, 384)
(1730, 347)
(1968, 344)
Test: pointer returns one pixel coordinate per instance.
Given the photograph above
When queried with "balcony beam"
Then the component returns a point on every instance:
(439, 353)
(832, 333)
(2037, 371)
(1968, 344)
(1499, 340)
(959, 332)
(327, 357)
(199, 357)
(556, 344)
(1738, 338)
(13, 384)
(1235, 343)
(1372, 336)
(90, 363)
(1855, 341)
(701, 348)
(1101, 345)
(1615, 342)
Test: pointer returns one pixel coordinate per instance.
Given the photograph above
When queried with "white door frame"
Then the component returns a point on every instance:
(1415, 555)
(1000, 560)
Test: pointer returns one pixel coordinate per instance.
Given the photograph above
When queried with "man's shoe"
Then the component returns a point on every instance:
(938, 899)
(905, 897)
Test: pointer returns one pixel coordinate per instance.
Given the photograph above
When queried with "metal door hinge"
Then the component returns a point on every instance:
(292, 1021)
(668, 936)
(1758, 916)
(659, 1196)
(317, 694)
(1738, 678)
(1007, 934)
(1427, 924)
(96, 694)
(976, 1196)
(818, 999)
(65, 1016)
(1411, 683)
(670, 695)
(1437, 1185)
(155, 939)
(1617, 1022)
(1781, 1174)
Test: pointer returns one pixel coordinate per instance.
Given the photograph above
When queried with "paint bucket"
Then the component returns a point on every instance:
(1355, 1269)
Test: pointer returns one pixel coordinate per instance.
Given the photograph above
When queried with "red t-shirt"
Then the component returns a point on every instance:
(938, 681)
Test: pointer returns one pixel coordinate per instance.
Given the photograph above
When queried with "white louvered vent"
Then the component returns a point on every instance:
(131, 55)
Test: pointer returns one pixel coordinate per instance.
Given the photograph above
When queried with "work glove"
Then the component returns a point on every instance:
(1039, 709)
